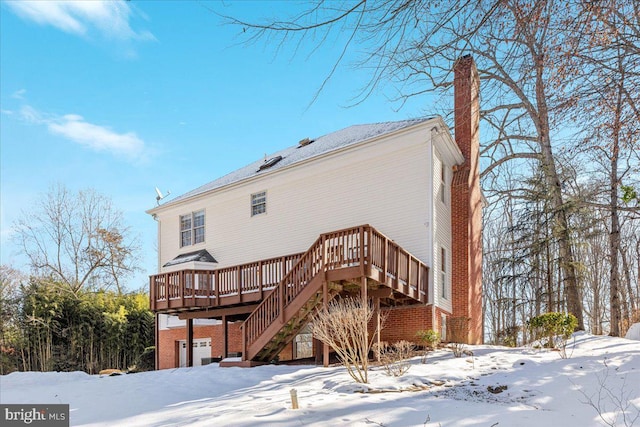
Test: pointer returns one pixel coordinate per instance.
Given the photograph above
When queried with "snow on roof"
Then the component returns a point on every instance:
(201, 256)
(294, 154)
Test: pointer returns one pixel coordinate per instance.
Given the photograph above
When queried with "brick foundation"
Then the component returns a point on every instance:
(402, 323)
(169, 356)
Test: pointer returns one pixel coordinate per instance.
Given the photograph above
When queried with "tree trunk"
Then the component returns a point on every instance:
(627, 274)
(561, 226)
(614, 236)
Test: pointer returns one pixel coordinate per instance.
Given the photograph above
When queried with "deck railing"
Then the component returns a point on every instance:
(363, 247)
(209, 288)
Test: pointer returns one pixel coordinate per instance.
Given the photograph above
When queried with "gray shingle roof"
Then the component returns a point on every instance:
(322, 145)
(202, 256)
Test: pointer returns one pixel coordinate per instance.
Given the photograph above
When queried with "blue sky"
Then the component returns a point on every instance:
(122, 97)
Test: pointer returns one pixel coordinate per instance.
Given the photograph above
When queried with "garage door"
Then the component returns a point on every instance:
(201, 348)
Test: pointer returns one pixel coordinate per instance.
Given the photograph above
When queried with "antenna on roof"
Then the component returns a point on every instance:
(160, 196)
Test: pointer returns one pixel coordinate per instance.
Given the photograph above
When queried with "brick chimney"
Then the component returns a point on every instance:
(466, 202)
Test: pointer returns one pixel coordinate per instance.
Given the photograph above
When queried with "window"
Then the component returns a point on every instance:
(198, 227)
(443, 180)
(192, 228)
(443, 272)
(443, 327)
(259, 203)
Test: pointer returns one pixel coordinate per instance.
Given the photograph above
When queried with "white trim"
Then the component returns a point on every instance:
(192, 228)
(443, 275)
(257, 196)
(443, 327)
(430, 219)
(191, 265)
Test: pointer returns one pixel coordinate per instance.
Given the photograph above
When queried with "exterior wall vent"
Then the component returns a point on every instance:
(268, 163)
(304, 142)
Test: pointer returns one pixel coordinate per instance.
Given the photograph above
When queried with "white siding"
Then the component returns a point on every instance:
(384, 183)
(442, 231)
(166, 321)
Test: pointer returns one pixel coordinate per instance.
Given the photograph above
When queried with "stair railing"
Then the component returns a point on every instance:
(330, 251)
(360, 246)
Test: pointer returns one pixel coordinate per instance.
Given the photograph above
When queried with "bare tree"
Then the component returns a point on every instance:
(606, 103)
(529, 57)
(77, 240)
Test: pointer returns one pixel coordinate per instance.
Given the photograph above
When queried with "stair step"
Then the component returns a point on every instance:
(301, 291)
(292, 327)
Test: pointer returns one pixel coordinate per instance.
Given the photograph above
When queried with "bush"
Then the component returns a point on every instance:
(87, 331)
(553, 326)
(343, 326)
(458, 334)
(429, 338)
(9, 360)
(509, 336)
(147, 360)
(395, 358)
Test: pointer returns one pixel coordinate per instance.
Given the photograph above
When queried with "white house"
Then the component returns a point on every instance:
(389, 210)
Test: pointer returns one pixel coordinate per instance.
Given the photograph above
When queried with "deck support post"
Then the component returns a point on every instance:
(325, 301)
(376, 313)
(317, 350)
(157, 342)
(225, 337)
(243, 334)
(189, 342)
(365, 302)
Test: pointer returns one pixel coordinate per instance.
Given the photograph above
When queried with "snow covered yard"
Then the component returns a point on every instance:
(496, 387)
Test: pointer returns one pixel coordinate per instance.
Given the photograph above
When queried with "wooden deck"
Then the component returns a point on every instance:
(192, 289)
(283, 291)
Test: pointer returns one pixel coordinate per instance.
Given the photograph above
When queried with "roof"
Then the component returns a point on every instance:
(351, 135)
(201, 256)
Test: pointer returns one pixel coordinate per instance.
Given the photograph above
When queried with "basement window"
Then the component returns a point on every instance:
(258, 203)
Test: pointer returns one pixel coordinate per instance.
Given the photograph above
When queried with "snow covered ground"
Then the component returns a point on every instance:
(538, 389)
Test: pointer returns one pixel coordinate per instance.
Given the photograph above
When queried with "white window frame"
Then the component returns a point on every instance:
(443, 327)
(259, 203)
(443, 272)
(195, 234)
(443, 183)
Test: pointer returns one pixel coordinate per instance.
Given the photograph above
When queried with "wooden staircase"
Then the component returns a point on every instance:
(341, 256)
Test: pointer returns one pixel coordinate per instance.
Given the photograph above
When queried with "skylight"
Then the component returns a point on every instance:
(268, 163)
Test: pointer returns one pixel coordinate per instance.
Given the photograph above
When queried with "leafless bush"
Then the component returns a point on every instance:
(395, 358)
(457, 334)
(614, 407)
(562, 348)
(343, 326)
